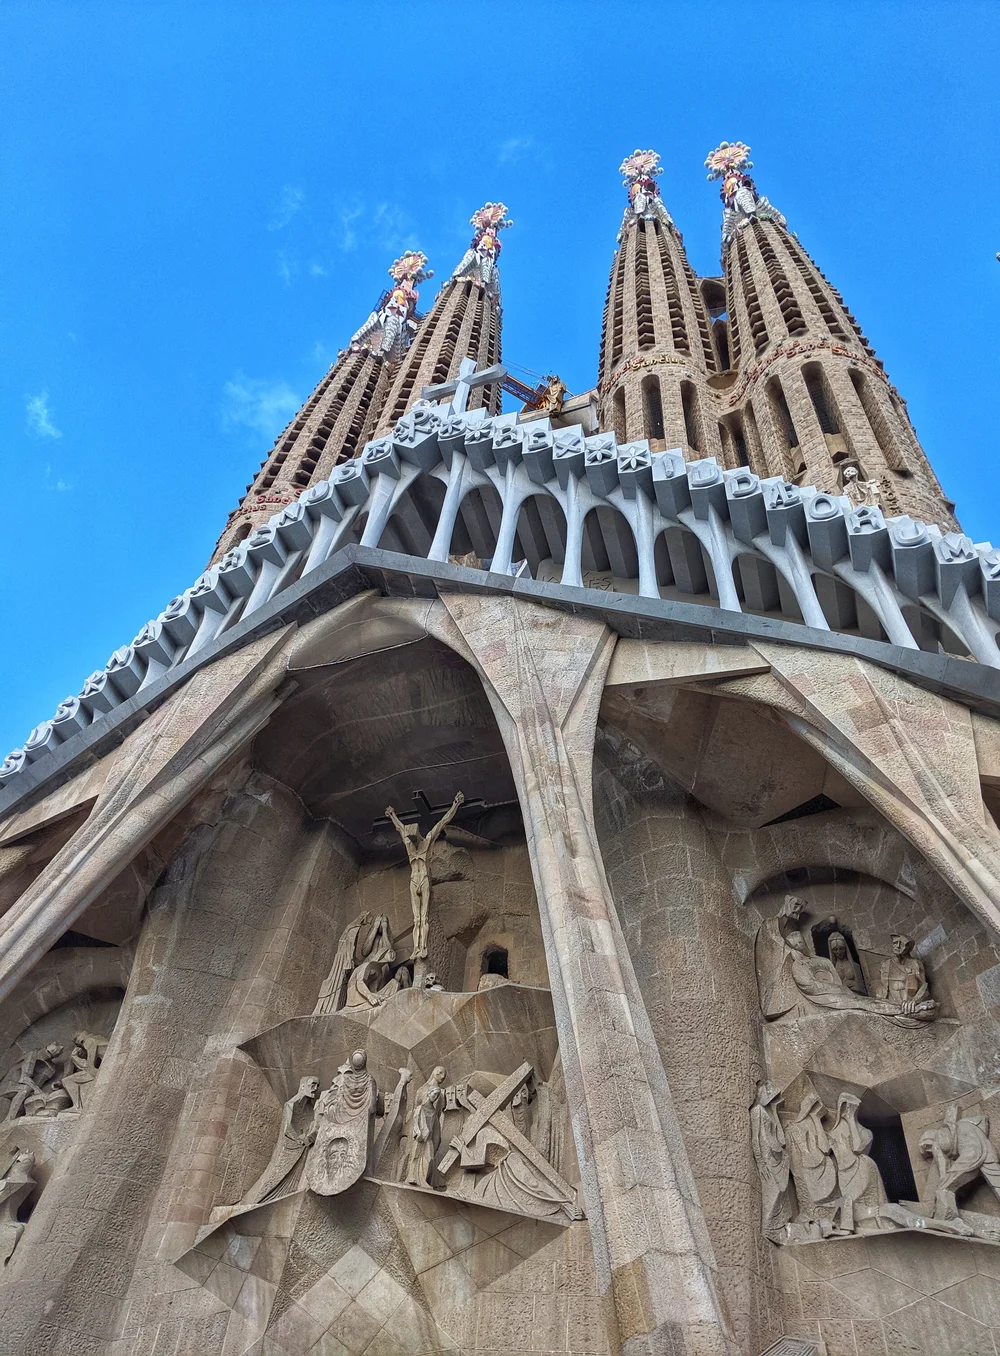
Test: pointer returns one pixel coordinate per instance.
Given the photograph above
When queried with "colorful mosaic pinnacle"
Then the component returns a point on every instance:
(410, 267)
(741, 202)
(730, 155)
(479, 263)
(640, 170)
(640, 165)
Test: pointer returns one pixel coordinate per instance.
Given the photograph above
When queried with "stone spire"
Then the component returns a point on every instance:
(342, 412)
(810, 400)
(464, 321)
(656, 350)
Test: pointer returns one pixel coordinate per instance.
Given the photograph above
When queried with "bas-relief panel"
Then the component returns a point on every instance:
(875, 1125)
(422, 1182)
(50, 1069)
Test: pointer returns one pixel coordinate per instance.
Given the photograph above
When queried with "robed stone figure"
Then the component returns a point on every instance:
(344, 1127)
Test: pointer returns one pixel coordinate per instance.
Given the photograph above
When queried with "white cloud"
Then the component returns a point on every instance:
(288, 205)
(287, 267)
(316, 270)
(59, 485)
(39, 416)
(258, 404)
(384, 227)
(513, 148)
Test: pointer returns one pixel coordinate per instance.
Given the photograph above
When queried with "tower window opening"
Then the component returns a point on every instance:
(618, 309)
(877, 420)
(496, 961)
(785, 297)
(782, 418)
(618, 414)
(734, 327)
(645, 334)
(752, 437)
(692, 429)
(758, 329)
(821, 397)
(652, 408)
(698, 303)
(721, 332)
(678, 329)
(737, 440)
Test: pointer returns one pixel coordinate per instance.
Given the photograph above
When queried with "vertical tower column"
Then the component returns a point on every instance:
(654, 1260)
(656, 349)
(813, 383)
(464, 321)
(342, 411)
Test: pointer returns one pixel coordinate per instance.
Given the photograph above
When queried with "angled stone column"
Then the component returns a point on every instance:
(544, 673)
(911, 753)
(170, 757)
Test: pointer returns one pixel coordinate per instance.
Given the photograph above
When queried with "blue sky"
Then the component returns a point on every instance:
(199, 203)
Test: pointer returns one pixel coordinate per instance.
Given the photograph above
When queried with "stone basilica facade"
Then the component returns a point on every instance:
(538, 890)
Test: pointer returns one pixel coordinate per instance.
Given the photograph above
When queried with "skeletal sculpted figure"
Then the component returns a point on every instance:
(358, 942)
(961, 1150)
(297, 1133)
(343, 1129)
(16, 1185)
(418, 851)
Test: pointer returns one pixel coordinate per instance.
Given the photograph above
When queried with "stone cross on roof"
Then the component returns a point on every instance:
(459, 387)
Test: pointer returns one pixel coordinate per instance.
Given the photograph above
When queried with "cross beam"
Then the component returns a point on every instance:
(460, 387)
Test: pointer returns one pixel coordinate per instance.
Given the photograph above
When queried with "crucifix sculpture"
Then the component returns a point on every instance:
(460, 387)
(418, 850)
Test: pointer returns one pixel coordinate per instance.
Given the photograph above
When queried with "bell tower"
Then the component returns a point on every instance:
(342, 412)
(464, 320)
(809, 399)
(657, 348)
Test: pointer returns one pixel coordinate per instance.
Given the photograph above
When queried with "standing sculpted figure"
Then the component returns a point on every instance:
(418, 851)
(770, 1151)
(814, 1169)
(343, 1129)
(859, 1181)
(425, 1132)
(88, 1052)
(16, 1186)
(296, 1137)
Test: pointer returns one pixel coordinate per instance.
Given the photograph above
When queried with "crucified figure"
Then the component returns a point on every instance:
(418, 850)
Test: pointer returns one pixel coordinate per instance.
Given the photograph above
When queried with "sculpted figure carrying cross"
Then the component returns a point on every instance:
(418, 850)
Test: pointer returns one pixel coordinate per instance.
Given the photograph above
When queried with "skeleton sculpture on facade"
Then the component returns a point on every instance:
(391, 326)
(741, 202)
